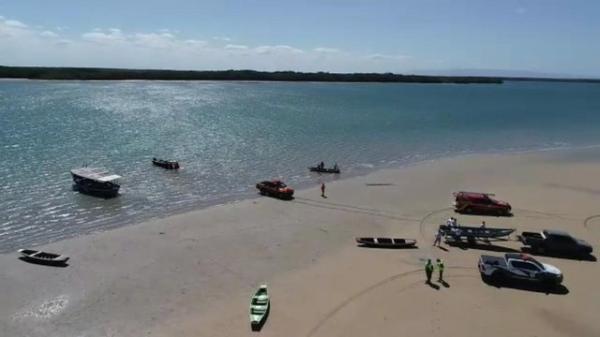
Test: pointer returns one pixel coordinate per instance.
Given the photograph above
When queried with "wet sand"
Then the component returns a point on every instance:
(193, 274)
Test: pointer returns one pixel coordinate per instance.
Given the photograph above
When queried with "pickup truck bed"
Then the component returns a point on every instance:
(493, 260)
(530, 235)
(555, 241)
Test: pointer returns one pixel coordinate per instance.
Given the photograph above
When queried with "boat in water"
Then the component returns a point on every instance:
(96, 182)
(168, 164)
(319, 169)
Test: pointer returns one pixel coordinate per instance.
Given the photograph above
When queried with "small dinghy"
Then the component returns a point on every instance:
(168, 164)
(324, 169)
(386, 242)
(40, 257)
(259, 307)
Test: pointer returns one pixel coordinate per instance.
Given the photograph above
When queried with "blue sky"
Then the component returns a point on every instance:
(539, 36)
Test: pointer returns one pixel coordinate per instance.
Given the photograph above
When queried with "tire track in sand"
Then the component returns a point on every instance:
(363, 292)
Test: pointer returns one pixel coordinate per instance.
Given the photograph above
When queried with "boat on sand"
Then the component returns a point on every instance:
(386, 242)
(259, 307)
(41, 257)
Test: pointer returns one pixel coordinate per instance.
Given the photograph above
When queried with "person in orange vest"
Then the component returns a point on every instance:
(323, 190)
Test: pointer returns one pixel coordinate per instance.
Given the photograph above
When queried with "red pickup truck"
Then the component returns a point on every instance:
(480, 203)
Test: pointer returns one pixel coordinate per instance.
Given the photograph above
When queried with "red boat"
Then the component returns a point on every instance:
(275, 188)
(480, 203)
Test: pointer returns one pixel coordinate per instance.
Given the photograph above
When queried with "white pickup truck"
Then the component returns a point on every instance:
(519, 267)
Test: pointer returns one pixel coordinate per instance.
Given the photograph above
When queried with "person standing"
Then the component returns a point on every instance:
(428, 270)
(440, 267)
(323, 190)
(482, 225)
(438, 238)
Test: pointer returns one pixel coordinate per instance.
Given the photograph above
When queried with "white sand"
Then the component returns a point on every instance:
(196, 279)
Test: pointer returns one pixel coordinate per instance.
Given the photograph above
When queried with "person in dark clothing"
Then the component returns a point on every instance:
(428, 270)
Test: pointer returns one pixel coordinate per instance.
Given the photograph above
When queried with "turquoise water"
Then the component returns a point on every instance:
(229, 135)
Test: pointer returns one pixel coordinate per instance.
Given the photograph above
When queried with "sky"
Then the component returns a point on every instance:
(401, 36)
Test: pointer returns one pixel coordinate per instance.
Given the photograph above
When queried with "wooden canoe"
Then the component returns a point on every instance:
(386, 242)
(41, 257)
(259, 307)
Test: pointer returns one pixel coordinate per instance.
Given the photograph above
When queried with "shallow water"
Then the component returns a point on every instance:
(229, 135)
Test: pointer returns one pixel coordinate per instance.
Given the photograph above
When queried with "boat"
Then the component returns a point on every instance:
(259, 307)
(38, 256)
(458, 232)
(319, 169)
(95, 181)
(386, 242)
(168, 164)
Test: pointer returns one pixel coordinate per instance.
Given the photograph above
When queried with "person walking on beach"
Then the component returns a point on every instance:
(440, 267)
(323, 190)
(428, 270)
(438, 238)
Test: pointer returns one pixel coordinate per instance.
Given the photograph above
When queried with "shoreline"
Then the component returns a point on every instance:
(316, 179)
(192, 274)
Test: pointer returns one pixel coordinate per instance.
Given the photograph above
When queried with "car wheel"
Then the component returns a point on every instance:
(468, 210)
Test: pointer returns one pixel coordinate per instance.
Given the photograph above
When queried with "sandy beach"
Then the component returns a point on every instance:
(193, 274)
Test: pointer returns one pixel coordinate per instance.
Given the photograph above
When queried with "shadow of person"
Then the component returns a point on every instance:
(432, 285)
(445, 284)
(443, 248)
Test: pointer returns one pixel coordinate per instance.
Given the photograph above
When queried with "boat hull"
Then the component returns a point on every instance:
(45, 258)
(386, 242)
(169, 165)
(260, 305)
(324, 170)
(476, 232)
(95, 188)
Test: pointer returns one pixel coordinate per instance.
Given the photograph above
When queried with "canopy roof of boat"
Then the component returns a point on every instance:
(97, 174)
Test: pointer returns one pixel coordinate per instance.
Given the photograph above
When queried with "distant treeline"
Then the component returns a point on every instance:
(51, 73)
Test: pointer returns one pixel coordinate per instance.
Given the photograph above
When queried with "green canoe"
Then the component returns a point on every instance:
(259, 307)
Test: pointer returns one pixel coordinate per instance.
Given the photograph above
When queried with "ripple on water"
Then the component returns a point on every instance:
(230, 135)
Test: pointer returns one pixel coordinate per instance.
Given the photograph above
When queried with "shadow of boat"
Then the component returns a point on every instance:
(44, 263)
(388, 247)
(464, 245)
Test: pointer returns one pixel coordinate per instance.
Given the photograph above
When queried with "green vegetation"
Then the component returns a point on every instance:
(51, 73)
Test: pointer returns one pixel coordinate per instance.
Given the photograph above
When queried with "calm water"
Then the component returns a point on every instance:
(230, 135)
